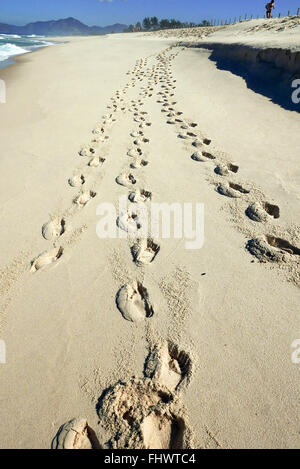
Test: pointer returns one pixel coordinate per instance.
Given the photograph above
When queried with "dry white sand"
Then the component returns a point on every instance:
(200, 360)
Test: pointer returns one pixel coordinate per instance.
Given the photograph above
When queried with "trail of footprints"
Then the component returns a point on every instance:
(133, 300)
(56, 227)
(147, 412)
(268, 247)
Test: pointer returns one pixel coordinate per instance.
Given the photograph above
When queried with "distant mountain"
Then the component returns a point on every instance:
(64, 27)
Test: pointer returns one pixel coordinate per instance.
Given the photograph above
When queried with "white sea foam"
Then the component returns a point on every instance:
(47, 43)
(33, 35)
(9, 50)
(12, 36)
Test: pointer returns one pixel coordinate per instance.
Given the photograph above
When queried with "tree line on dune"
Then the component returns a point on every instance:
(154, 24)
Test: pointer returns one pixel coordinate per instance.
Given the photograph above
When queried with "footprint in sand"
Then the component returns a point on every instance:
(54, 229)
(139, 195)
(163, 431)
(96, 161)
(272, 249)
(183, 136)
(126, 179)
(109, 121)
(198, 156)
(186, 135)
(133, 302)
(203, 156)
(139, 141)
(145, 124)
(77, 180)
(84, 198)
(46, 258)
(144, 251)
(129, 222)
(138, 163)
(191, 135)
(87, 150)
(168, 365)
(76, 434)
(139, 414)
(134, 152)
(261, 212)
(231, 189)
(136, 134)
(225, 169)
(200, 143)
(184, 126)
(99, 129)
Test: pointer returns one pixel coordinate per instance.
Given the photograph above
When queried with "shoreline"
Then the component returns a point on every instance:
(15, 59)
(27, 48)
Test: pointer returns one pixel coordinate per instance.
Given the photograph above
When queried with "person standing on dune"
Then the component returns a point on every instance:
(269, 8)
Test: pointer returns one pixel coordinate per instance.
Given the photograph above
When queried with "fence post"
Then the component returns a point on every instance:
(298, 11)
(279, 15)
(245, 16)
(289, 13)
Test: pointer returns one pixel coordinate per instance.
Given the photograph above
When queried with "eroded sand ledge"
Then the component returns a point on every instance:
(286, 60)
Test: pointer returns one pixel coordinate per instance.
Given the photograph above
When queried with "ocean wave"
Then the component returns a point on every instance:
(12, 36)
(38, 45)
(47, 43)
(8, 50)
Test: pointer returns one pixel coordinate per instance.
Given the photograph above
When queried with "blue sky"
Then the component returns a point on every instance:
(104, 12)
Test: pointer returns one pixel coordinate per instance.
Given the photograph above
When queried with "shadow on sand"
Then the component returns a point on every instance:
(257, 68)
(265, 79)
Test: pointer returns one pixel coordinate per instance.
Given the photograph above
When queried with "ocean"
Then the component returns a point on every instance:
(12, 44)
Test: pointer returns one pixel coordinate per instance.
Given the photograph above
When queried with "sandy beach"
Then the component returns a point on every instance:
(145, 342)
